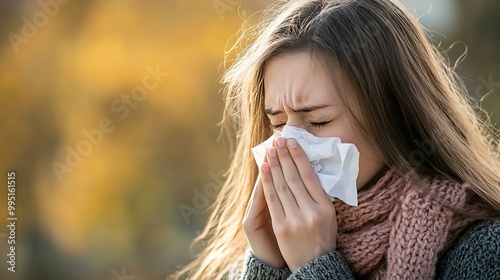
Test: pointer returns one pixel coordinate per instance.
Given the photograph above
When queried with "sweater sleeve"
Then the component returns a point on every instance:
(256, 269)
(330, 266)
(475, 256)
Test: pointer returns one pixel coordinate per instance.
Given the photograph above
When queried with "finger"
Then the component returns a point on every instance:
(273, 202)
(291, 174)
(257, 200)
(280, 185)
(306, 172)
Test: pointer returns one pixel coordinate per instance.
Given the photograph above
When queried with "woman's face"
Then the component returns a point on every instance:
(299, 93)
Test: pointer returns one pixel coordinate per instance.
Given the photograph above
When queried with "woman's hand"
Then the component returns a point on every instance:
(258, 229)
(303, 218)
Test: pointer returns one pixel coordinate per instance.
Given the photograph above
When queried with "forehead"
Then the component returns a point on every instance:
(291, 80)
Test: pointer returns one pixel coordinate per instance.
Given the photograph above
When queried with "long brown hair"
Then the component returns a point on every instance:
(406, 100)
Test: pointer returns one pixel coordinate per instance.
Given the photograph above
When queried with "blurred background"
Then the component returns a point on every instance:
(108, 116)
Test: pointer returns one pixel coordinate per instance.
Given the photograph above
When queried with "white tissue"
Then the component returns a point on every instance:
(335, 163)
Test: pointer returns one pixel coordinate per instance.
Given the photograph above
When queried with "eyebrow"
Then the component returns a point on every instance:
(305, 109)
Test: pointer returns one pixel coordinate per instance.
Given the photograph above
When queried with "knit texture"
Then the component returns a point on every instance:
(318, 270)
(398, 231)
(256, 269)
(475, 256)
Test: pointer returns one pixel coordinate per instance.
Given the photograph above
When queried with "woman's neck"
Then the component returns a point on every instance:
(375, 178)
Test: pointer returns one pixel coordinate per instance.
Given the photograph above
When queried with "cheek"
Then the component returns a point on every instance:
(336, 129)
(369, 161)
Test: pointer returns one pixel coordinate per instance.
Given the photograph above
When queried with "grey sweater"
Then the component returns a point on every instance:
(476, 255)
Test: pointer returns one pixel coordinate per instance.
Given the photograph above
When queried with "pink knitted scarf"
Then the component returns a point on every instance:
(398, 231)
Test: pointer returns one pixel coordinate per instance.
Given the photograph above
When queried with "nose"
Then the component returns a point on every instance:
(295, 119)
(299, 125)
(297, 122)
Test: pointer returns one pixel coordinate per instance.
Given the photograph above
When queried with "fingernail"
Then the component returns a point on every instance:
(292, 143)
(271, 152)
(281, 142)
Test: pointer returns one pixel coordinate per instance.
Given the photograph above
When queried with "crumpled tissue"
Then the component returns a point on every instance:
(335, 163)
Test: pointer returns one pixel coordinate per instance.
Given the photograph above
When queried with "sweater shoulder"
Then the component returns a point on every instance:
(476, 255)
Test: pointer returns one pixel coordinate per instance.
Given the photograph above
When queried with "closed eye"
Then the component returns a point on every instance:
(278, 126)
(320, 124)
(313, 124)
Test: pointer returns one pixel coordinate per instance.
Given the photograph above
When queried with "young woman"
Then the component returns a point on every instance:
(429, 171)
